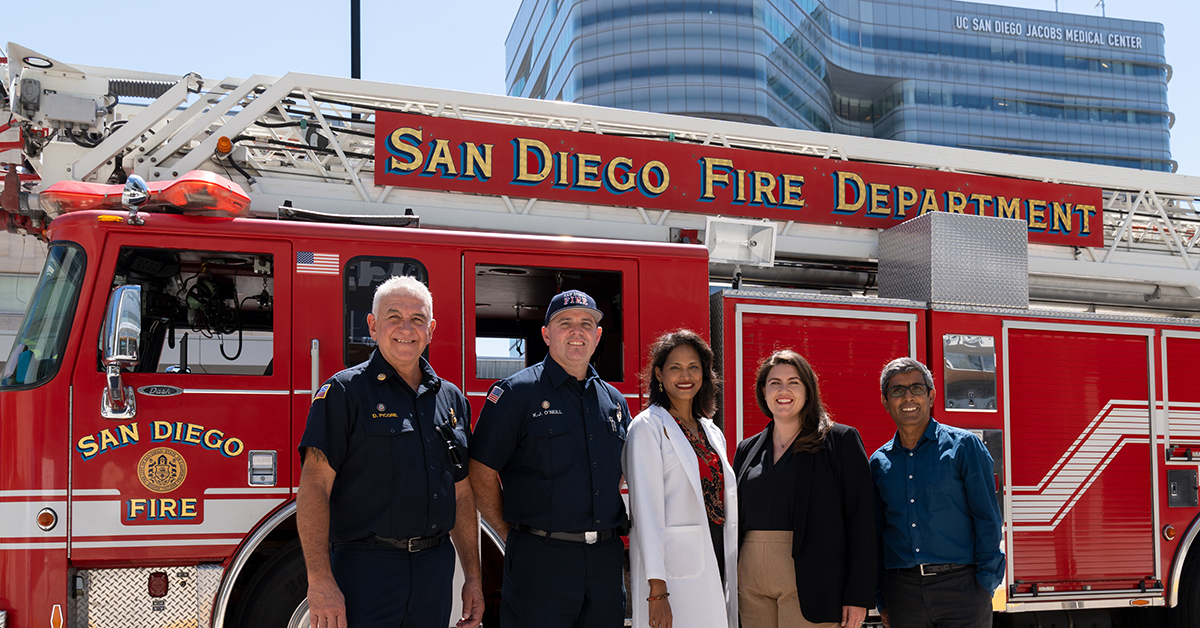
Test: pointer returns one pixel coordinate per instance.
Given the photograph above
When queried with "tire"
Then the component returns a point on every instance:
(276, 596)
(1187, 611)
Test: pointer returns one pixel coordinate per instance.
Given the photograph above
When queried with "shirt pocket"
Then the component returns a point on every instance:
(683, 555)
(391, 443)
(942, 484)
(552, 450)
(614, 426)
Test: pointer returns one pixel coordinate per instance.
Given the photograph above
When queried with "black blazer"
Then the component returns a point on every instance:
(833, 534)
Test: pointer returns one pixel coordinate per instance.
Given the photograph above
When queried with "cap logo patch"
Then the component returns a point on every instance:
(575, 298)
(494, 396)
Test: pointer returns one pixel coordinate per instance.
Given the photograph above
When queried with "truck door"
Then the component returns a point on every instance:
(1078, 423)
(206, 453)
(511, 291)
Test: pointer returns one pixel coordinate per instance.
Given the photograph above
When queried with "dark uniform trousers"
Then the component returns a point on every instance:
(949, 600)
(388, 586)
(563, 584)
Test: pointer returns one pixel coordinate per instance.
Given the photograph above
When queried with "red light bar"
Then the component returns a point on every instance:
(203, 193)
(197, 193)
(69, 196)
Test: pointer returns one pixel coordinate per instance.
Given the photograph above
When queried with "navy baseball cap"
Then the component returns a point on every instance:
(571, 300)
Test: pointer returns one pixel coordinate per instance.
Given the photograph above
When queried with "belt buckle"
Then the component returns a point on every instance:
(922, 566)
(409, 544)
(590, 537)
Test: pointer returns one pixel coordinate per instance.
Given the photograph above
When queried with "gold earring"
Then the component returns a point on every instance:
(660, 388)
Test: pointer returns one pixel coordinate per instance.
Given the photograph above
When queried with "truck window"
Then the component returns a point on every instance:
(497, 358)
(363, 275)
(970, 363)
(203, 312)
(510, 306)
(38, 348)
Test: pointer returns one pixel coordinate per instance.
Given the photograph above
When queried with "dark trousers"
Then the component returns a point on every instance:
(387, 586)
(560, 584)
(950, 600)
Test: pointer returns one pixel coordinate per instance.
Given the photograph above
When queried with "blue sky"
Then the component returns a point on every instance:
(453, 44)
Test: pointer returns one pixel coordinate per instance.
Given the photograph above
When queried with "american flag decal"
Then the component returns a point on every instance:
(309, 263)
(494, 396)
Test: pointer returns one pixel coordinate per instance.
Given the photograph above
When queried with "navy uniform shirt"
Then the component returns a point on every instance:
(556, 442)
(395, 477)
(936, 504)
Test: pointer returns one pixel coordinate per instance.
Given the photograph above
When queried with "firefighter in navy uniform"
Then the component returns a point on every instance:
(384, 482)
(552, 434)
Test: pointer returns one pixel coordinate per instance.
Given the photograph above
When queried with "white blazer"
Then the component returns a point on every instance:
(669, 536)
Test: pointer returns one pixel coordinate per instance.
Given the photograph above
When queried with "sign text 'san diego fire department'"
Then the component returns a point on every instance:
(423, 152)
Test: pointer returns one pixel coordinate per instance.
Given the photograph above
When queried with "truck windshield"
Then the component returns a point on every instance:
(38, 349)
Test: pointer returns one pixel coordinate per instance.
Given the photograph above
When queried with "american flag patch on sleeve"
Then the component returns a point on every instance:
(494, 396)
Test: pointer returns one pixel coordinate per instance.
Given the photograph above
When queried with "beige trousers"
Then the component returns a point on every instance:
(767, 595)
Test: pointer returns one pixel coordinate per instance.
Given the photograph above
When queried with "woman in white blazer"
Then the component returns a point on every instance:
(682, 494)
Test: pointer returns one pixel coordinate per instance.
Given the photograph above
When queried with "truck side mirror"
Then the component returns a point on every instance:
(119, 348)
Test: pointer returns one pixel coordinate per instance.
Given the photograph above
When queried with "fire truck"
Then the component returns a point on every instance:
(212, 248)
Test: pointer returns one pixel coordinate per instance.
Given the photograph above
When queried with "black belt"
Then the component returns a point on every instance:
(932, 570)
(589, 537)
(413, 545)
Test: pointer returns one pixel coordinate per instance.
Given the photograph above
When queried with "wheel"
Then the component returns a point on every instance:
(1187, 612)
(276, 596)
(300, 617)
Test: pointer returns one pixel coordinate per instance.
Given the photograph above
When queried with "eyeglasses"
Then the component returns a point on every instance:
(917, 390)
(447, 433)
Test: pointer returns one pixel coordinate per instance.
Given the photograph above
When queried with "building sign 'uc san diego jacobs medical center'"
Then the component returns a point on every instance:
(1042, 31)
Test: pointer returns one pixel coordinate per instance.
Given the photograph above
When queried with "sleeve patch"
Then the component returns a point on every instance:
(321, 392)
(494, 396)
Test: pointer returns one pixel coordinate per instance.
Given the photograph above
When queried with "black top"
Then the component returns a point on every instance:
(394, 473)
(833, 521)
(556, 442)
(766, 489)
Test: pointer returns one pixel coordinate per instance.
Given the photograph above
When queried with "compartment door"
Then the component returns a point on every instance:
(1077, 416)
(846, 347)
(1181, 395)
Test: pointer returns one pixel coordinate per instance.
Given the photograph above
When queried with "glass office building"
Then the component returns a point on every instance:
(978, 76)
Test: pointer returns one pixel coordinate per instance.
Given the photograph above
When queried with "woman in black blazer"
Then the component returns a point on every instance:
(806, 508)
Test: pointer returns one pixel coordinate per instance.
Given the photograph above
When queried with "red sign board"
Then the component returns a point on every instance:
(422, 152)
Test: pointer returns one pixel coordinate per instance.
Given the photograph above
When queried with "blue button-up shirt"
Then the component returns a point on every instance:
(936, 504)
(556, 442)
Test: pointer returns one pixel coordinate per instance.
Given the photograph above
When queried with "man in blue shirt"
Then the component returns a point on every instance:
(935, 513)
(551, 435)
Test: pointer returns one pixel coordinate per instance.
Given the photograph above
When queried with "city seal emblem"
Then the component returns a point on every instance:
(162, 470)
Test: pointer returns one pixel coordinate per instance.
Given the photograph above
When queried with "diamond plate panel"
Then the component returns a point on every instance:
(956, 258)
(120, 598)
(208, 580)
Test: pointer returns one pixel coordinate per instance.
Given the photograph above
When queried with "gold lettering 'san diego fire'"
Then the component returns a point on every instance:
(423, 152)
